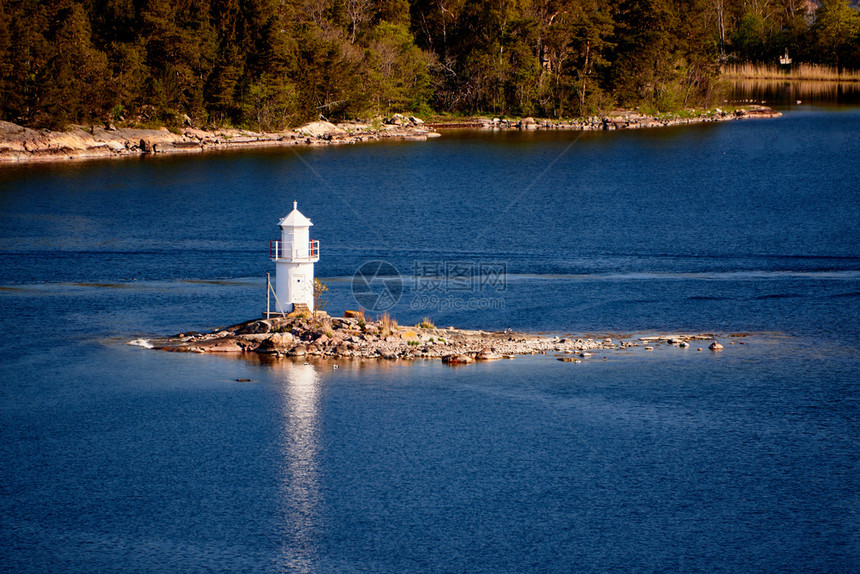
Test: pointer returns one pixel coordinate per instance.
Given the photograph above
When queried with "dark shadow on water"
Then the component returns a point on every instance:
(782, 93)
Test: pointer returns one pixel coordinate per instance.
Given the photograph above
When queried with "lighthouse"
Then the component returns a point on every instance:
(294, 255)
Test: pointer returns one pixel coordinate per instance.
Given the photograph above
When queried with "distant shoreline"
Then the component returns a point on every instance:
(25, 145)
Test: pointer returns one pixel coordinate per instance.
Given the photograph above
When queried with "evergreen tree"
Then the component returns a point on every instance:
(75, 77)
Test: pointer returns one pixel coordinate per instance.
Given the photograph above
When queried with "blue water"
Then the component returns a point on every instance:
(118, 458)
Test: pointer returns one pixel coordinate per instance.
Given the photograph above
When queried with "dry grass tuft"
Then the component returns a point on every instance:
(386, 324)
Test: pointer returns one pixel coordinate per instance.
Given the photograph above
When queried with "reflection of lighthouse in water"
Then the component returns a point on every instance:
(300, 479)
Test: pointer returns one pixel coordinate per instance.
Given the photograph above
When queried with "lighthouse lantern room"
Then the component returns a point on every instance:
(294, 255)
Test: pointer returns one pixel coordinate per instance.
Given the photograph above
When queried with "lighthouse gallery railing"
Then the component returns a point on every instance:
(276, 251)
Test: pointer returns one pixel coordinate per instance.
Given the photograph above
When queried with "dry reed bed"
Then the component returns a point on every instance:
(808, 72)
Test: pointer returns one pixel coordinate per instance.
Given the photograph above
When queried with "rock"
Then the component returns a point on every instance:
(457, 359)
(319, 129)
(683, 344)
(487, 354)
(352, 314)
(257, 327)
(186, 121)
(145, 146)
(416, 121)
(298, 351)
(222, 345)
(715, 346)
(277, 343)
(527, 124)
(649, 348)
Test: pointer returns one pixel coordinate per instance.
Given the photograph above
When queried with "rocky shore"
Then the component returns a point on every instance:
(353, 336)
(20, 144)
(617, 120)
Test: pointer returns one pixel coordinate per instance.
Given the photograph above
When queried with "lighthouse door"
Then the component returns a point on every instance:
(303, 291)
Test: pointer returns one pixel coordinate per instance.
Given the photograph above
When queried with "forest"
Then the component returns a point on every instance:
(269, 64)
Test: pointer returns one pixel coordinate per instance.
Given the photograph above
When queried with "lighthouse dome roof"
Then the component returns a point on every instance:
(295, 219)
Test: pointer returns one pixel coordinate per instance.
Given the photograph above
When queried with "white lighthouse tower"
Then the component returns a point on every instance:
(294, 256)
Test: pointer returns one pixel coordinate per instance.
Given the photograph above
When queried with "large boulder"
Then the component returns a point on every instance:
(457, 359)
(487, 354)
(320, 129)
(256, 327)
(395, 120)
(298, 351)
(222, 345)
(277, 343)
(528, 124)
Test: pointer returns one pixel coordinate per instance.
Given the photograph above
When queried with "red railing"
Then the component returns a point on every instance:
(276, 251)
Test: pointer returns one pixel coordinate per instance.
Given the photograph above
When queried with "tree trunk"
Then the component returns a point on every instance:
(584, 75)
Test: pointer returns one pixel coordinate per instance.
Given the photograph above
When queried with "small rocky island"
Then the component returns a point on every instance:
(301, 335)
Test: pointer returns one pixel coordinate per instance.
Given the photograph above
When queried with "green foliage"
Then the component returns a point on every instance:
(396, 71)
(269, 64)
(751, 37)
(837, 31)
